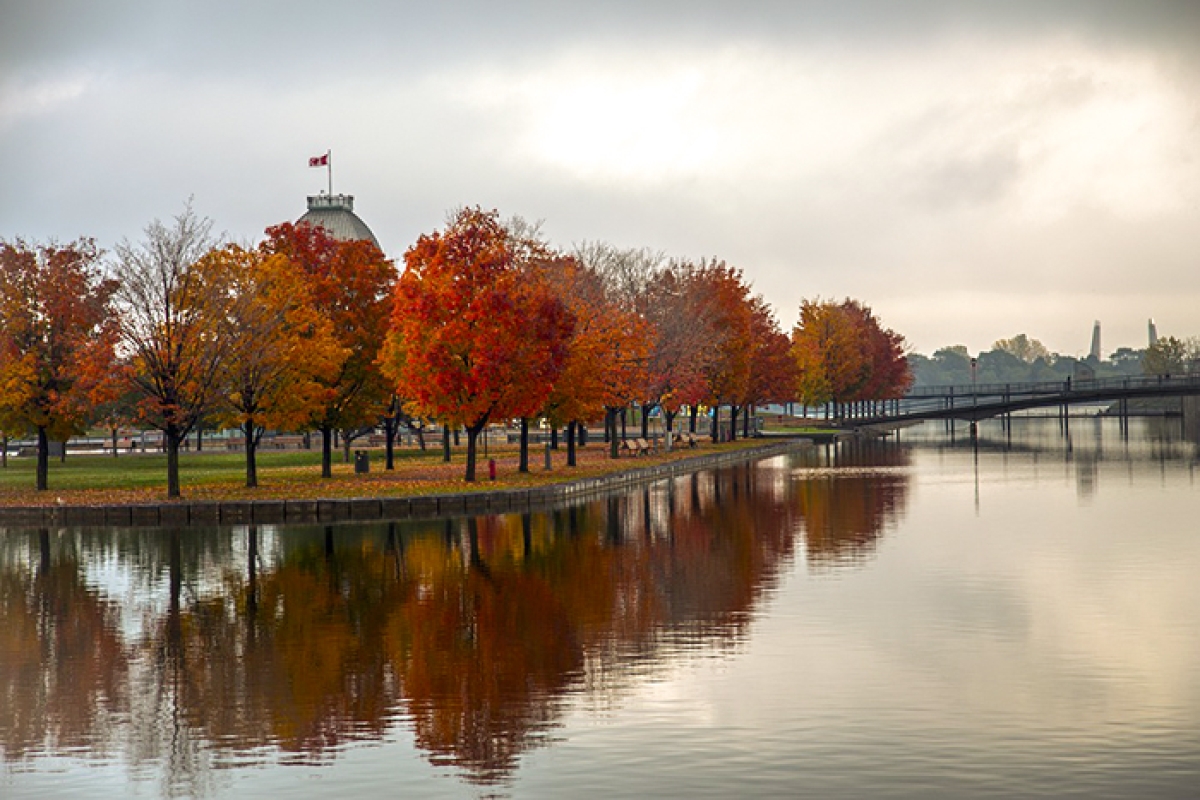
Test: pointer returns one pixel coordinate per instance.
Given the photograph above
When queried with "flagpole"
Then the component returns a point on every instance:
(329, 167)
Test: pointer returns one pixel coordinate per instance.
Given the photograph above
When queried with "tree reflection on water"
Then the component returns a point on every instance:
(185, 652)
(848, 498)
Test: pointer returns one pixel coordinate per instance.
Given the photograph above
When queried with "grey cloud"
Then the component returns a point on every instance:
(225, 100)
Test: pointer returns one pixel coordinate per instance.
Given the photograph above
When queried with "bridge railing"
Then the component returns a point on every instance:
(1053, 387)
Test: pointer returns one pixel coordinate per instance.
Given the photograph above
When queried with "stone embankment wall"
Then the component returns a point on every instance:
(244, 512)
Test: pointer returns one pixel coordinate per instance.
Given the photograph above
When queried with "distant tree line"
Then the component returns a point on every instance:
(1022, 359)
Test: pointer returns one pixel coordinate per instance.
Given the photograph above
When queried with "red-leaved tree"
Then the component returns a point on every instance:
(350, 283)
(56, 340)
(474, 336)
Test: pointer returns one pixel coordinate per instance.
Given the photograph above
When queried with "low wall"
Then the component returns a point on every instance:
(242, 512)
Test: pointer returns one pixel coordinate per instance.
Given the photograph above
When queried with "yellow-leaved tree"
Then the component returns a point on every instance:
(283, 345)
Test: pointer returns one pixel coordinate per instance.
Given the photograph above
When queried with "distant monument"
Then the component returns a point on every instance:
(335, 213)
(1153, 333)
(1095, 351)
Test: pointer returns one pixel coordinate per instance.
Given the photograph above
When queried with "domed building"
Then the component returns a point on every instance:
(335, 213)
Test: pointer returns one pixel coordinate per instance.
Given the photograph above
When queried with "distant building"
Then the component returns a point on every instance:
(335, 213)
(1153, 331)
(1095, 351)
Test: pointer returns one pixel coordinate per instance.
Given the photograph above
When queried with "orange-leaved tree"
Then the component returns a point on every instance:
(728, 371)
(350, 283)
(474, 336)
(843, 354)
(628, 276)
(606, 354)
(57, 335)
(283, 345)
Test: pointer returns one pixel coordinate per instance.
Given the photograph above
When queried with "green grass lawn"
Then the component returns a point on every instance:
(296, 474)
(149, 470)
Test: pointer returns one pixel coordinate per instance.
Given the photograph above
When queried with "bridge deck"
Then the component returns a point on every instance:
(988, 400)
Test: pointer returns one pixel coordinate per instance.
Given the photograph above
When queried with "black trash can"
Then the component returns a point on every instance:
(362, 462)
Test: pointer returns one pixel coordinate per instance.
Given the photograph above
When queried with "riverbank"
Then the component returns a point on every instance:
(418, 488)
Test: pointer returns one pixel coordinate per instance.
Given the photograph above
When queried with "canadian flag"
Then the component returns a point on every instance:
(319, 161)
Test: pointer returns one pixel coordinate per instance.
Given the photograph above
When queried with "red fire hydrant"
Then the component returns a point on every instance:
(491, 469)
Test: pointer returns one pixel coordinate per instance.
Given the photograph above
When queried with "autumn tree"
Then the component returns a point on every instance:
(629, 277)
(887, 373)
(772, 368)
(350, 283)
(56, 340)
(173, 324)
(474, 337)
(684, 323)
(1171, 355)
(283, 345)
(843, 354)
(628, 274)
(1023, 347)
(118, 406)
(606, 353)
(727, 371)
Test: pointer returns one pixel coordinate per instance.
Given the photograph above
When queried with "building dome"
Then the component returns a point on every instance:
(335, 213)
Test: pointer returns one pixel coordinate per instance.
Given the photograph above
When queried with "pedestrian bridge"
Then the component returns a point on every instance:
(981, 401)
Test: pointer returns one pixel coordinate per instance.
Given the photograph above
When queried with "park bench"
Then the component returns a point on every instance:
(688, 439)
(636, 447)
(645, 446)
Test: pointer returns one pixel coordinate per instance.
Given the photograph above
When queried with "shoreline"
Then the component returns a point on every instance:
(431, 506)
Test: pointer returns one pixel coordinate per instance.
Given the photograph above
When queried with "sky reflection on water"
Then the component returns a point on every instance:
(892, 620)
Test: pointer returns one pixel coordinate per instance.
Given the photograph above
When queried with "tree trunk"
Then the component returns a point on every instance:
(472, 439)
(114, 441)
(199, 437)
(347, 440)
(326, 451)
(553, 436)
(669, 419)
(524, 462)
(172, 437)
(389, 428)
(446, 443)
(571, 426)
(693, 412)
(251, 455)
(4, 451)
(646, 421)
(624, 418)
(43, 459)
(733, 421)
(746, 421)
(421, 437)
(716, 423)
(610, 423)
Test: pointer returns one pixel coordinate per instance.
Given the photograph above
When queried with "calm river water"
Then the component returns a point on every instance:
(918, 618)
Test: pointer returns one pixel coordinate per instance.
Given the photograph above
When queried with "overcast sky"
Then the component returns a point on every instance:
(971, 170)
